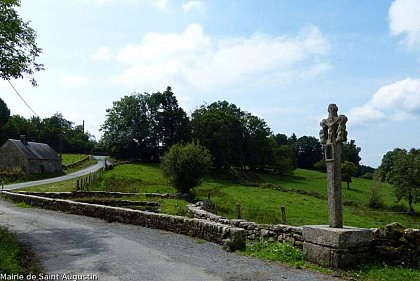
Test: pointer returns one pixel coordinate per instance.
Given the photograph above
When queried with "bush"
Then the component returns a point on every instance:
(185, 165)
(375, 197)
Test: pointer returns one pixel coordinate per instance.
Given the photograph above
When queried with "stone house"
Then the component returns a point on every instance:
(29, 157)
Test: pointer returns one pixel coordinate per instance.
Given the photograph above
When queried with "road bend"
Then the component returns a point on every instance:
(99, 165)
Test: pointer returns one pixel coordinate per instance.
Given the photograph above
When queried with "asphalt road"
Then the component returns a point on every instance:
(99, 165)
(69, 245)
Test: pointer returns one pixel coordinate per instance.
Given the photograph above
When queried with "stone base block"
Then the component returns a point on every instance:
(336, 247)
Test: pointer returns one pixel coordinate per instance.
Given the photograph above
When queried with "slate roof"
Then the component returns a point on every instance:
(35, 150)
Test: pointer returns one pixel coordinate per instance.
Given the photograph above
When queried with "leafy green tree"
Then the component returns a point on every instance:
(4, 113)
(405, 176)
(308, 151)
(144, 126)
(233, 137)
(321, 166)
(348, 170)
(185, 166)
(4, 117)
(218, 127)
(284, 162)
(350, 152)
(170, 124)
(56, 131)
(256, 143)
(388, 161)
(18, 49)
(127, 128)
(280, 139)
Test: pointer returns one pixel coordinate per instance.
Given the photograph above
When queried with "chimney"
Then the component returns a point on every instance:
(23, 139)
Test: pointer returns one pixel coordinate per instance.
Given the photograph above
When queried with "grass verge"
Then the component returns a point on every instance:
(15, 257)
(290, 255)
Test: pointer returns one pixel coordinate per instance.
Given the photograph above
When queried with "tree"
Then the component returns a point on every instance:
(348, 170)
(388, 161)
(170, 124)
(405, 176)
(4, 117)
(284, 160)
(185, 165)
(55, 131)
(308, 151)
(144, 126)
(18, 49)
(233, 137)
(256, 143)
(127, 128)
(218, 127)
(350, 153)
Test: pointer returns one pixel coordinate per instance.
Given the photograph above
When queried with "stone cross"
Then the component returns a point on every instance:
(332, 134)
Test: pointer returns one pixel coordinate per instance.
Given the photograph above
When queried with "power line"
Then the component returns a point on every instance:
(23, 99)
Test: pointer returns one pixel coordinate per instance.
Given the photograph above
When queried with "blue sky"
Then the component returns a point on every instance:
(282, 60)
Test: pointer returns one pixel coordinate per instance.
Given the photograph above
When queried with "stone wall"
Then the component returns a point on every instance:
(11, 159)
(254, 231)
(232, 238)
(393, 244)
(396, 245)
(78, 194)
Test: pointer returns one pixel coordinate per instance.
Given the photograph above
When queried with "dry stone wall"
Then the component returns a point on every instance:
(232, 238)
(254, 231)
(396, 245)
(393, 244)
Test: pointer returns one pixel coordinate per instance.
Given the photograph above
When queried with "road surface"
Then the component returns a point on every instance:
(71, 247)
(93, 249)
(99, 165)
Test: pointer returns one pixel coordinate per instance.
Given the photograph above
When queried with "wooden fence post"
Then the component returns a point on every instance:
(77, 185)
(283, 215)
(238, 211)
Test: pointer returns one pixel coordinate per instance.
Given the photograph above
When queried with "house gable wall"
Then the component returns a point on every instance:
(11, 159)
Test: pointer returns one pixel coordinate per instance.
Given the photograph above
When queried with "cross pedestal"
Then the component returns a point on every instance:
(334, 245)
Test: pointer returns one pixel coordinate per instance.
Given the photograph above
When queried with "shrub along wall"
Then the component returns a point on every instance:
(232, 238)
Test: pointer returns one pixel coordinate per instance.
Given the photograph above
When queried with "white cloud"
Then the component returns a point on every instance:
(193, 58)
(193, 5)
(397, 102)
(103, 53)
(404, 17)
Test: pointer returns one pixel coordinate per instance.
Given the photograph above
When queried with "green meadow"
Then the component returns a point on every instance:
(304, 195)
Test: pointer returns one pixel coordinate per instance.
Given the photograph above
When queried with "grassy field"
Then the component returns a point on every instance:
(305, 197)
(71, 158)
(303, 194)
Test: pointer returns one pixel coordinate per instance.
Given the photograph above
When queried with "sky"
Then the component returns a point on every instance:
(282, 60)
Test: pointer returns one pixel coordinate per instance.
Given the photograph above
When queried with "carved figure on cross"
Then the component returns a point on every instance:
(334, 127)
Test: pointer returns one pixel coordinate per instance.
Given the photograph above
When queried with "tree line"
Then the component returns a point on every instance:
(56, 131)
(144, 126)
